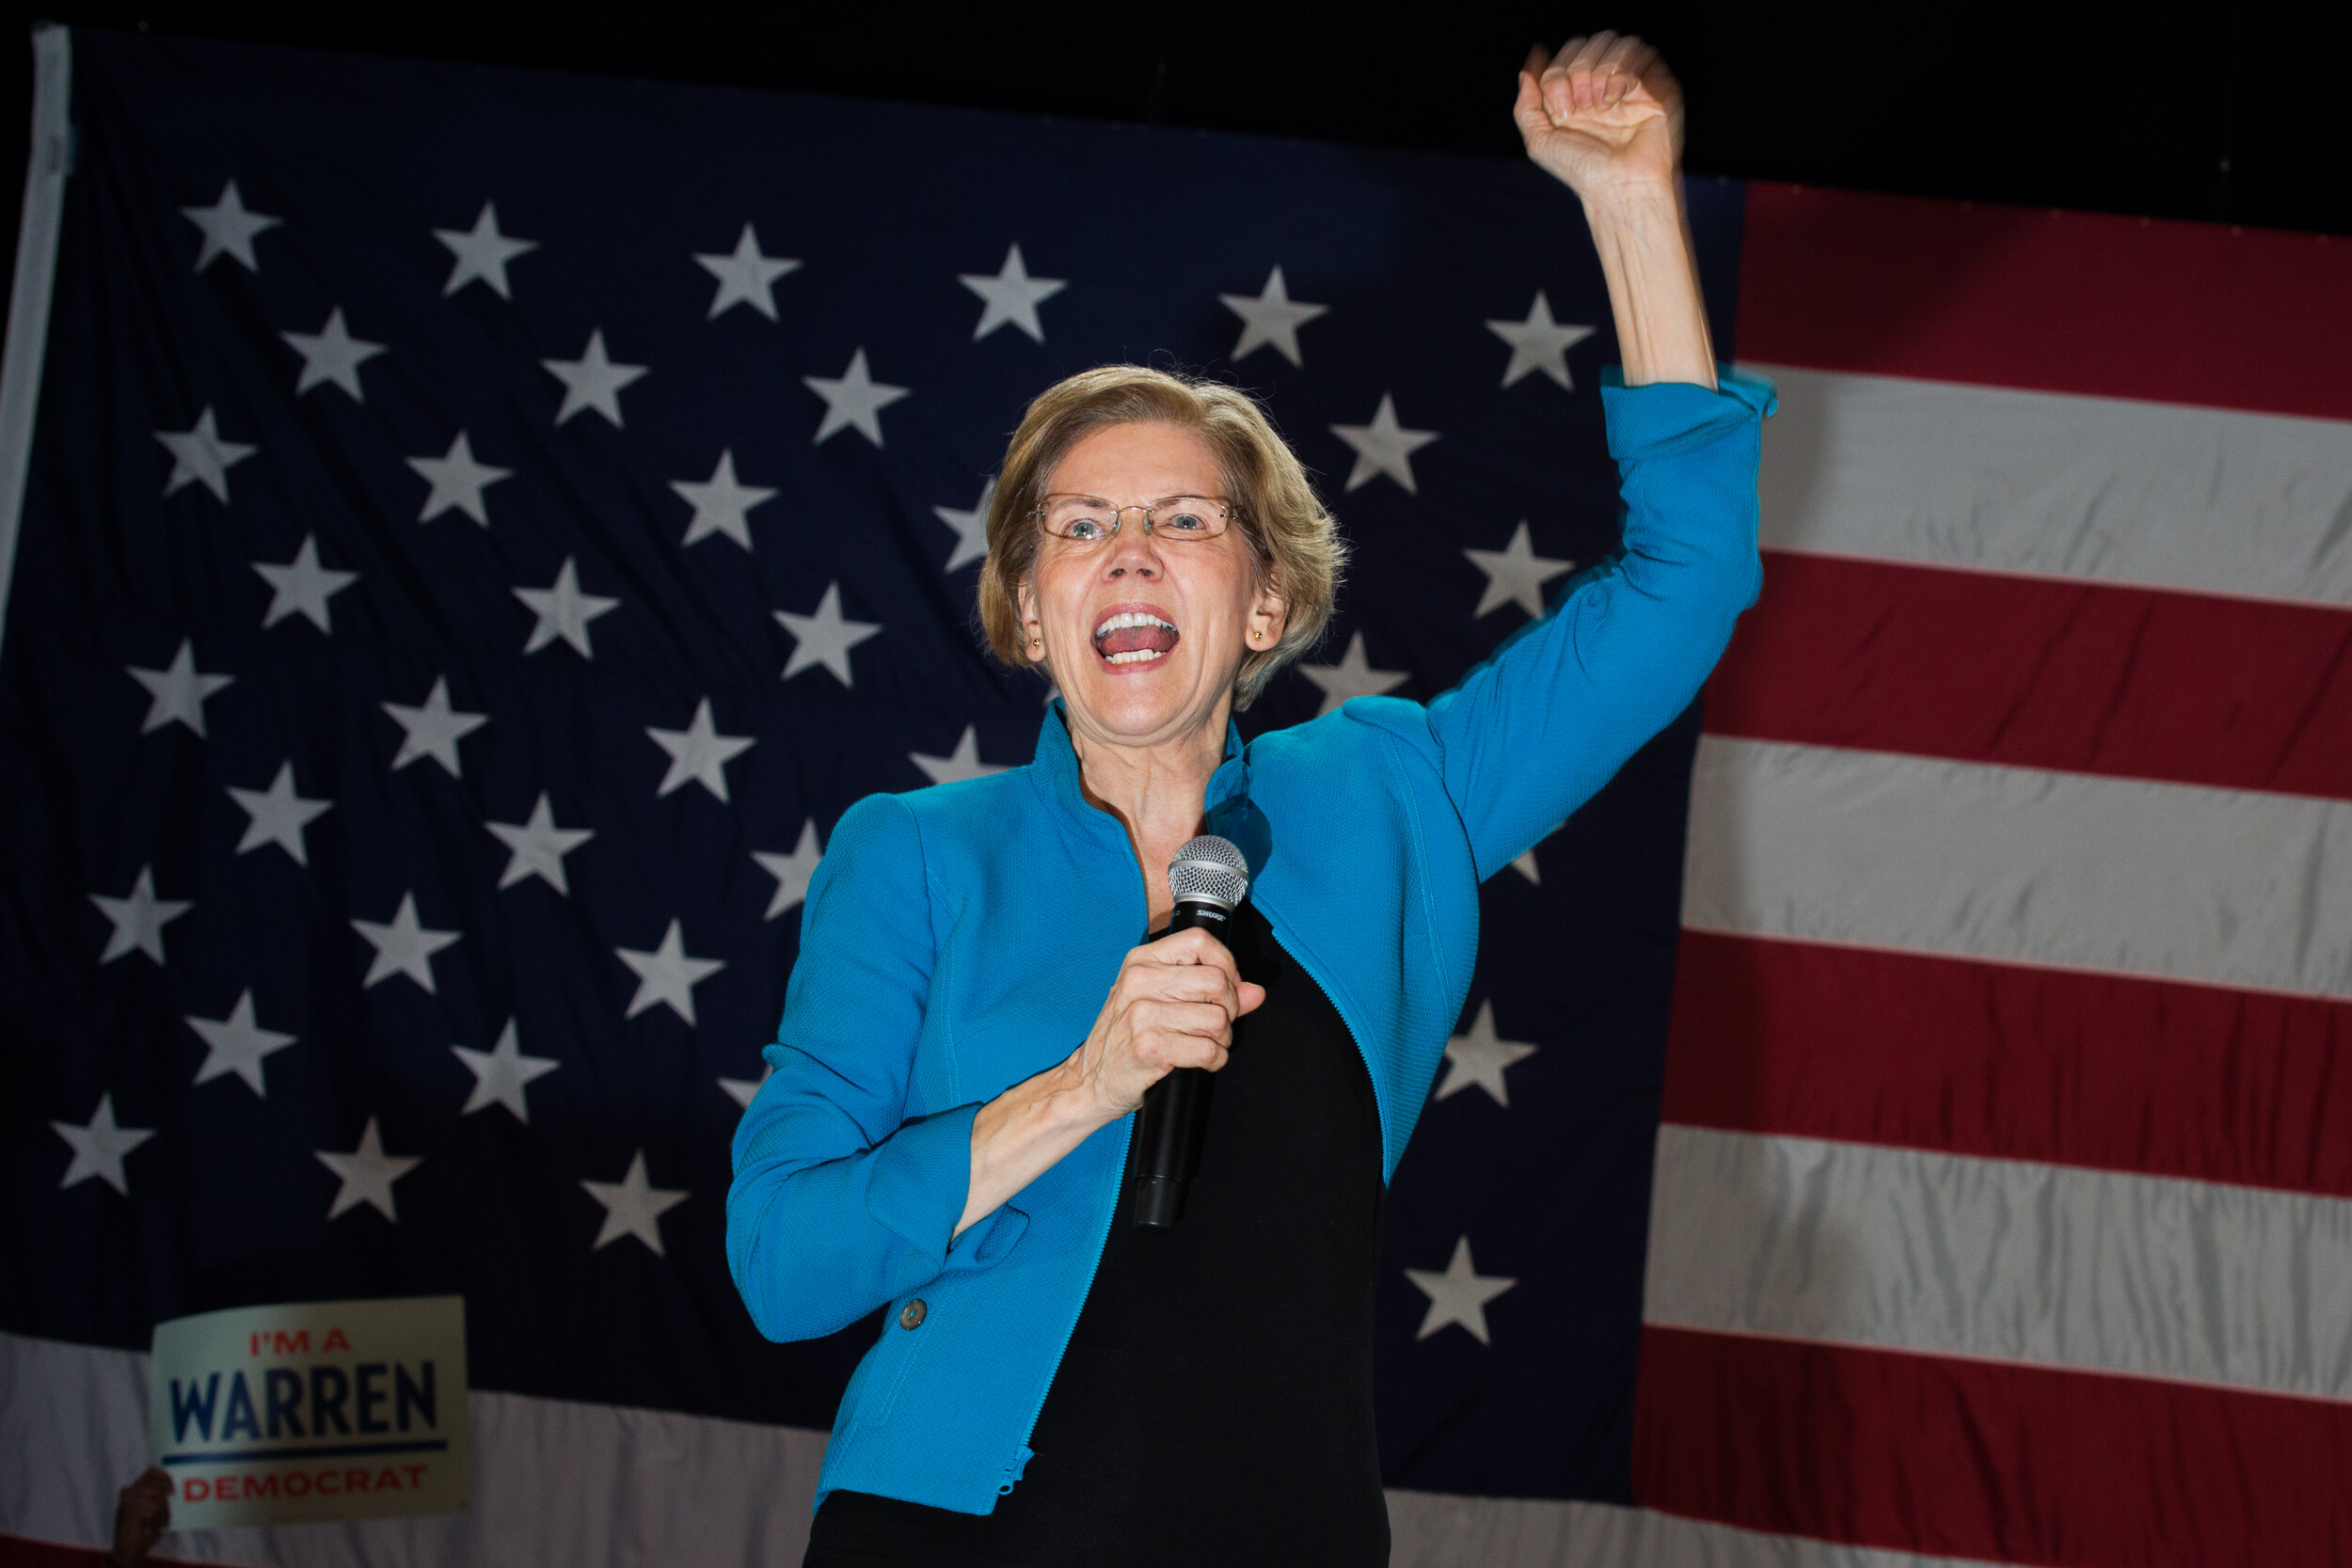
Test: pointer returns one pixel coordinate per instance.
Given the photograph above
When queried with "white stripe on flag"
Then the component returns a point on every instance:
(2020, 865)
(554, 1481)
(1431, 1529)
(580, 1483)
(2004, 1260)
(2156, 495)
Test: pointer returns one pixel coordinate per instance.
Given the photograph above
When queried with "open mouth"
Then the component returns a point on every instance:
(1135, 637)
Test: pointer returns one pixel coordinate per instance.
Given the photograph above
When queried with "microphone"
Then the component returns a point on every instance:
(1208, 877)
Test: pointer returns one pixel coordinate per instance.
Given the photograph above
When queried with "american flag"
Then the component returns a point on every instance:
(481, 530)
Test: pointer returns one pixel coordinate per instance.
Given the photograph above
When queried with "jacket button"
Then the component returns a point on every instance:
(910, 1315)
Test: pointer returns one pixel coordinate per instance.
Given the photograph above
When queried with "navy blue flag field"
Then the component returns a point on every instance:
(484, 529)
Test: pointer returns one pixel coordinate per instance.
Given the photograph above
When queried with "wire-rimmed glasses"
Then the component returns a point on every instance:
(1088, 520)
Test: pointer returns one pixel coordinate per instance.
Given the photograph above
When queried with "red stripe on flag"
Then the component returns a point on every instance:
(1978, 1459)
(2086, 677)
(2011, 1063)
(18, 1551)
(2064, 302)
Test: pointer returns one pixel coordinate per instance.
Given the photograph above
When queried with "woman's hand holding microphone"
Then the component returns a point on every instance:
(1172, 1006)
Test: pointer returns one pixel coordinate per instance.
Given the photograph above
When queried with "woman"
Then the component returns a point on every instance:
(973, 1017)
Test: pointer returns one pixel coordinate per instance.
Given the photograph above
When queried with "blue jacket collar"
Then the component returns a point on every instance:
(1056, 767)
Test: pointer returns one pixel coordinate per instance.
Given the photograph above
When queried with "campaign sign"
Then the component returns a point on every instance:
(314, 1410)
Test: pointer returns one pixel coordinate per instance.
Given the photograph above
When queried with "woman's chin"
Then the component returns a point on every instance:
(1132, 700)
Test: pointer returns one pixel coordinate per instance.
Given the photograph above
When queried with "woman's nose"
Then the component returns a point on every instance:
(1133, 550)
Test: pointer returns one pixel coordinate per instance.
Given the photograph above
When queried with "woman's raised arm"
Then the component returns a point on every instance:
(1528, 735)
(1605, 115)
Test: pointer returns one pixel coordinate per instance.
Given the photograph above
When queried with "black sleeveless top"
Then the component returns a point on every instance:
(1215, 1404)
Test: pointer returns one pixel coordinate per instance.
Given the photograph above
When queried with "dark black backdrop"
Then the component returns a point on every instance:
(2225, 114)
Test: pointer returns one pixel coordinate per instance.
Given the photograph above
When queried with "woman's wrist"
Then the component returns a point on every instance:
(1639, 198)
(1644, 247)
(1020, 1134)
(1070, 1101)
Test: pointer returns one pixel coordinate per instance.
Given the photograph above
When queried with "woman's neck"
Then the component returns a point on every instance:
(1157, 792)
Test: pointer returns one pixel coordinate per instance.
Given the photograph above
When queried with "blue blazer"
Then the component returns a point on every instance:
(958, 940)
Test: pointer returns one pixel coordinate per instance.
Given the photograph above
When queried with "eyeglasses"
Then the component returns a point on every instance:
(1091, 519)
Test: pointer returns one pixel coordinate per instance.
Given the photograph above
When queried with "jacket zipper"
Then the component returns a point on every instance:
(1102, 1243)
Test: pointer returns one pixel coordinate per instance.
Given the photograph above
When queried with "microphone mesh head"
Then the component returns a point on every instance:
(1209, 870)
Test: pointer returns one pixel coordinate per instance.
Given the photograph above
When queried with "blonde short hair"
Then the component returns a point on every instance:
(1297, 543)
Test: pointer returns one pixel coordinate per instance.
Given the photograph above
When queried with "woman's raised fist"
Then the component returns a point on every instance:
(1604, 111)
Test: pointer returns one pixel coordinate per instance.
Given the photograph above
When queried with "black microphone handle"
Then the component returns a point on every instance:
(1174, 1119)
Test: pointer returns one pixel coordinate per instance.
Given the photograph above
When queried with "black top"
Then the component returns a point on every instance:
(1215, 1404)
